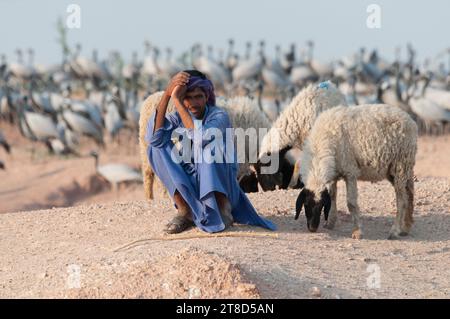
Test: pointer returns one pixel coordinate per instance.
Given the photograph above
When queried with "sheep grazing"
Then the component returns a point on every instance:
(366, 142)
(294, 123)
(243, 112)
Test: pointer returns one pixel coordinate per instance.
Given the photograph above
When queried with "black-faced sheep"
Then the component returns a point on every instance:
(295, 122)
(367, 142)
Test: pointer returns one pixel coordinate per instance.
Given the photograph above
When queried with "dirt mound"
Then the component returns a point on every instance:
(190, 273)
(45, 252)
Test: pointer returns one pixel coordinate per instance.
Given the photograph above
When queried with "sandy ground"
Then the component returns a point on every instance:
(70, 252)
(34, 179)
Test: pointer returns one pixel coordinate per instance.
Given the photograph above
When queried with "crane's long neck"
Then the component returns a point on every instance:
(21, 117)
(425, 86)
(260, 93)
(230, 48)
(95, 156)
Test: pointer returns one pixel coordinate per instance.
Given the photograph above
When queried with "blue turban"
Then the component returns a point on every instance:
(199, 80)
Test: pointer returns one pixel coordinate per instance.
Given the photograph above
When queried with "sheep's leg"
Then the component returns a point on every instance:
(404, 193)
(332, 217)
(409, 220)
(159, 190)
(149, 178)
(147, 172)
(352, 204)
(438, 128)
(401, 207)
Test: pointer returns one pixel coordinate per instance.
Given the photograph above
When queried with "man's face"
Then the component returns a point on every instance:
(195, 101)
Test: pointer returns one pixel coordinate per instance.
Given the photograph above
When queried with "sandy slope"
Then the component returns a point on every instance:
(40, 248)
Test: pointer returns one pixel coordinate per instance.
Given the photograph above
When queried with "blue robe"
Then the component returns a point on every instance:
(197, 180)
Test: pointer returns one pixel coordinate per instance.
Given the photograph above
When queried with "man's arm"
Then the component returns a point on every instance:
(179, 80)
(178, 94)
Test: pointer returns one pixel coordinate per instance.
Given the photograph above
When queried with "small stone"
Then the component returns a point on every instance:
(166, 286)
(315, 292)
(194, 292)
(43, 275)
(369, 260)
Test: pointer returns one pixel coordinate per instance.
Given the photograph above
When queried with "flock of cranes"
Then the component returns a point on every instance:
(57, 104)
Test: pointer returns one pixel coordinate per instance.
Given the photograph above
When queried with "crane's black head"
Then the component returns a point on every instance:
(93, 154)
(313, 208)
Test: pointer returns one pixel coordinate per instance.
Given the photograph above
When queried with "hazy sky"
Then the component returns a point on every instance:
(337, 27)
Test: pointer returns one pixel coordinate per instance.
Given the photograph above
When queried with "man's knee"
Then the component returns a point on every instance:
(210, 167)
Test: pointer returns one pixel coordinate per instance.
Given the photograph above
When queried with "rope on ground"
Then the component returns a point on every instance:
(191, 236)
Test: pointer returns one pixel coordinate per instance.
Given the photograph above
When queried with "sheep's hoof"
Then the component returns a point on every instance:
(396, 233)
(329, 225)
(357, 234)
(393, 237)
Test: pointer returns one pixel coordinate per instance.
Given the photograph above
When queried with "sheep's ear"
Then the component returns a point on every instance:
(300, 202)
(326, 201)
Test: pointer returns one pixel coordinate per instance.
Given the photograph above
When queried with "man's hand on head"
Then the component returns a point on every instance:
(179, 79)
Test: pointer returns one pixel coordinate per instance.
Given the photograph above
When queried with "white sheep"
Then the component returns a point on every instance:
(147, 109)
(366, 142)
(244, 113)
(294, 123)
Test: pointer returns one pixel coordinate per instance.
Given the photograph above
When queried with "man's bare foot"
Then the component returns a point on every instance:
(225, 209)
(178, 224)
